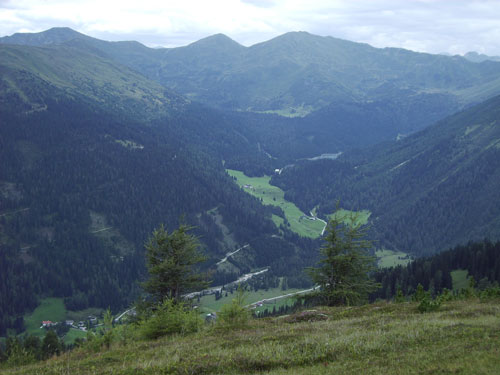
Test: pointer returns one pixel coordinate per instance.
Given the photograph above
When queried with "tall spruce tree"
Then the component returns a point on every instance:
(343, 273)
(171, 260)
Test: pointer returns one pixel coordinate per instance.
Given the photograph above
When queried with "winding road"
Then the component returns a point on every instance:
(283, 296)
(231, 253)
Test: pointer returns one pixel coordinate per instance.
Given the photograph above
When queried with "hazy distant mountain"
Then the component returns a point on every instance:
(56, 35)
(479, 57)
(293, 74)
(297, 73)
(83, 73)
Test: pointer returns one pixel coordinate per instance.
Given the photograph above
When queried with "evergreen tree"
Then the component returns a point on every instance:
(3, 356)
(170, 260)
(343, 273)
(12, 345)
(32, 344)
(50, 344)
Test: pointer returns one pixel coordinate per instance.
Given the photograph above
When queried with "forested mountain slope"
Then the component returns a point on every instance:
(83, 73)
(94, 156)
(428, 191)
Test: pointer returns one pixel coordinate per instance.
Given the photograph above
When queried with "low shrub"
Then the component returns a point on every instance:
(234, 314)
(428, 304)
(169, 318)
(19, 356)
(399, 298)
(490, 293)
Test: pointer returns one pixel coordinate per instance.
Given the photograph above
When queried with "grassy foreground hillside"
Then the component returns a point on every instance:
(463, 337)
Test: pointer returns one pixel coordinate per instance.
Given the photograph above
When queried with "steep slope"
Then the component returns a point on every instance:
(55, 35)
(81, 72)
(432, 190)
(130, 51)
(92, 160)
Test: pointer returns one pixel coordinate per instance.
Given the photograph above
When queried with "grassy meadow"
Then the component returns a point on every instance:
(52, 309)
(349, 217)
(459, 279)
(209, 304)
(273, 195)
(389, 258)
(73, 334)
(462, 337)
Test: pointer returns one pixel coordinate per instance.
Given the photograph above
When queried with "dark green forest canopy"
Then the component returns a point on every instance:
(82, 186)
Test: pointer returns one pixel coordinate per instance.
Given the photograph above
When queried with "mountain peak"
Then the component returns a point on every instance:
(55, 35)
(304, 40)
(292, 37)
(217, 41)
(298, 35)
(61, 30)
(479, 57)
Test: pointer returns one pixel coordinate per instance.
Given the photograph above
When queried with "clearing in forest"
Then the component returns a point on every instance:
(260, 187)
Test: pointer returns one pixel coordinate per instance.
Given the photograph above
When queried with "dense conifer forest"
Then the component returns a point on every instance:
(83, 190)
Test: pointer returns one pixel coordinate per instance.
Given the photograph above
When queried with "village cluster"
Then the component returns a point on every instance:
(82, 325)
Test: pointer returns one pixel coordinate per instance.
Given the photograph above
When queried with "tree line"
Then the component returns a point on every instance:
(480, 259)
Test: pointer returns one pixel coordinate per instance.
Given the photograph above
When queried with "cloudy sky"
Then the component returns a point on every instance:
(436, 26)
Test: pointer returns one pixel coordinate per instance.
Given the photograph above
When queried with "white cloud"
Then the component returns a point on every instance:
(426, 25)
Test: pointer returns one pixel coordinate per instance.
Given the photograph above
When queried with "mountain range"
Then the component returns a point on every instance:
(101, 142)
(479, 57)
(295, 73)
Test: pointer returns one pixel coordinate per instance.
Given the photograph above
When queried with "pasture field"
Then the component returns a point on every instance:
(277, 220)
(389, 258)
(348, 217)
(260, 187)
(83, 314)
(74, 334)
(52, 309)
(208, 303)
(460, 279)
